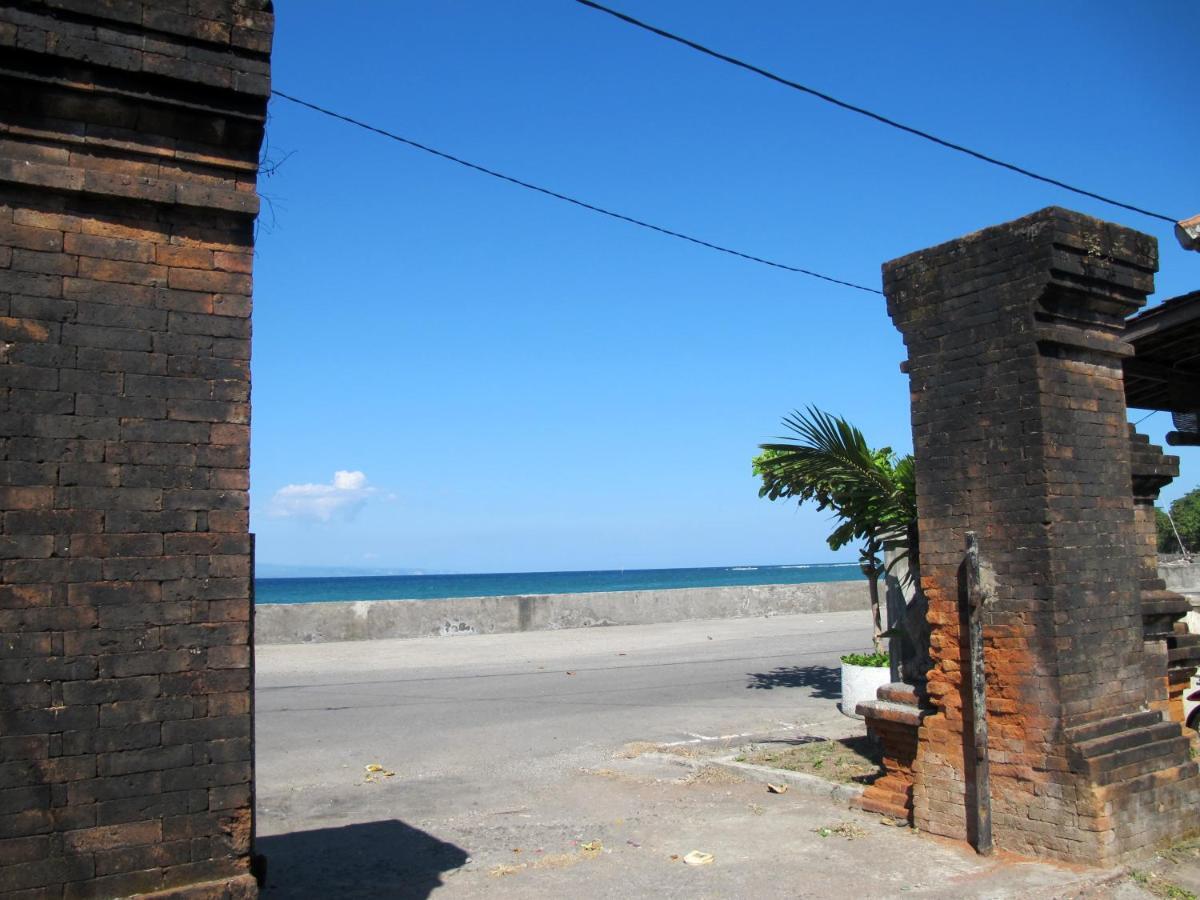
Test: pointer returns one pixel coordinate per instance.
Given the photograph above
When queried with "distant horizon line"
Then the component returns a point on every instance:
(403, 572)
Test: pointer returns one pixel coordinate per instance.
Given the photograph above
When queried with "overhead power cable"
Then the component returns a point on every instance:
(917, 132)
(572, 200)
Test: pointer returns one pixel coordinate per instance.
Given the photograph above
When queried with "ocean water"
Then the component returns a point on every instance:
(432, 587)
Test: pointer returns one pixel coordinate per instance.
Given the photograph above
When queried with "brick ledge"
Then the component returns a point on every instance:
(239, 887)
(129, 187)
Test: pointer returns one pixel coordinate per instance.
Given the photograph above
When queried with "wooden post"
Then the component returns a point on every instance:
(975, 601)
(895, 603)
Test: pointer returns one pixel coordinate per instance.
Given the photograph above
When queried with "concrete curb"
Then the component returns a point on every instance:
(802, 782)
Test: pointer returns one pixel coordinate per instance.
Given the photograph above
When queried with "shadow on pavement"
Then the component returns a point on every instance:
(374, 859)
(825, 682)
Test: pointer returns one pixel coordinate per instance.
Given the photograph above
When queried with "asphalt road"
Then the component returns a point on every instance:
(510, 777)
(481, 715)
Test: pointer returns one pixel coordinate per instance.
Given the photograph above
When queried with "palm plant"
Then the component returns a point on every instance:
(871, 492)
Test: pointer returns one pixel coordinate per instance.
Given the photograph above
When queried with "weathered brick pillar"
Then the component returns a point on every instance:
(1020, 434)
(1172, 654)
(129, 140)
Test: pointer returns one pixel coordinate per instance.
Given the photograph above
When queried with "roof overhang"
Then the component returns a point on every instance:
(1164, 372)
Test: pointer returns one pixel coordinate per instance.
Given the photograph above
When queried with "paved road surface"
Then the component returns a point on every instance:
(466, 717)
(504, 749)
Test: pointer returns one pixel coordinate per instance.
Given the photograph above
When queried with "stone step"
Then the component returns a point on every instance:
(898, 692)
(1113, 725)
(1136, 761)
(1188, 652)
(1158, 628)
(1161, 603)
(894, 804)
(900, 713)
(1180, 677)
(1123, 740)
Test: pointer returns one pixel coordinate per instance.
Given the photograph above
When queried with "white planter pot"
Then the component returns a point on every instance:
(860, 683)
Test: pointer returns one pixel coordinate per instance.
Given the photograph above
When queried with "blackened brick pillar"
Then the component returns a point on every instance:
(1172, 654)
(1020, 434)
(129, 140)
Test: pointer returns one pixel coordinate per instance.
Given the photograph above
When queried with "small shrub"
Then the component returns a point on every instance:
(874, 660)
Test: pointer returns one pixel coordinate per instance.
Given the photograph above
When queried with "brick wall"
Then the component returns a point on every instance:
(129, 137)
(1020, 434)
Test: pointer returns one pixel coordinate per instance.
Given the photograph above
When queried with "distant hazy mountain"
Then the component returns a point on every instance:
(278, 570)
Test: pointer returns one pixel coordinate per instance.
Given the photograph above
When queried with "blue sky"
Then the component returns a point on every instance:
(509, 383)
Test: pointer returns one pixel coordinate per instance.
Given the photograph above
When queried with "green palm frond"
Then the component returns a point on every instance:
(830, 463)
(871, 492)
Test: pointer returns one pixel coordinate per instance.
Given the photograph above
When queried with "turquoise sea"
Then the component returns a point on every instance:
(501, 584)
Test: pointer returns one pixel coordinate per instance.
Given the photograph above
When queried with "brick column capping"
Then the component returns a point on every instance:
(129, 141)
(1020, 434)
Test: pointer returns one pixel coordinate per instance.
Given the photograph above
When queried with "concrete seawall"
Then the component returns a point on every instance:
(357, 620)
(1181, 576)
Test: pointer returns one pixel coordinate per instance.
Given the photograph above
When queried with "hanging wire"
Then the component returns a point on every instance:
(882, 119)
(572, 200)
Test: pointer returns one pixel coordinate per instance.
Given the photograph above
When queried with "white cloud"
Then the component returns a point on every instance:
(343, 497)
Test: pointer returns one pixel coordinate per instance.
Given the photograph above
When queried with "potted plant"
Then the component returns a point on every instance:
(872, 494)
(862, 675)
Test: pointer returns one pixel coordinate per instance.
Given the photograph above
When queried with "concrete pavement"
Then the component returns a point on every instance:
(519, 772)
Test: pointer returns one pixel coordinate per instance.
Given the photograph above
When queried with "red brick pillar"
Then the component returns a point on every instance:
(129, 140)
(1020, 434)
